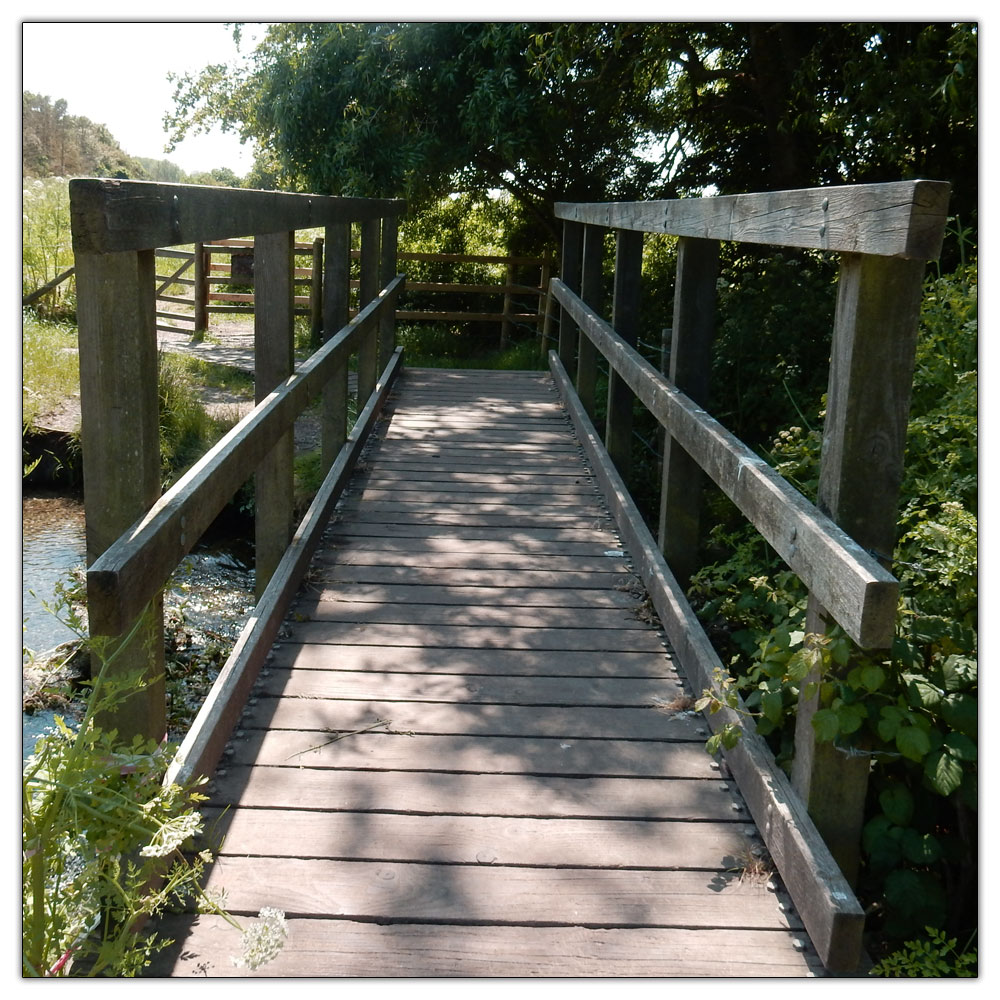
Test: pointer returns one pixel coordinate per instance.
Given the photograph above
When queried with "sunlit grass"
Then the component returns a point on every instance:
(50, 367)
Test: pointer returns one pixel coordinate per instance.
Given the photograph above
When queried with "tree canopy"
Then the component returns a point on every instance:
(590, 111)
(54, 142)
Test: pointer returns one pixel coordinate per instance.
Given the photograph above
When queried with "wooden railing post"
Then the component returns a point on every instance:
(202, 261)
(120, 436)
(690, 359)
(316, 293)
(388, 269)
(274, 353)
(506, 324)
(592, 292)
(545, 273)
(625, 320)
(336, 311)
(367, 290)
(861, 469)
(571, 268)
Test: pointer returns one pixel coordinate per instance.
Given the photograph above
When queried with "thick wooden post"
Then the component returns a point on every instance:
(274, 347)
(336, 311)
(316, 293)
(387, 323)
(690, 360)
(571, 265)
(367, 290)
(202, 264)
(120, 436)
(625, 320)
(861, 468)
(592, 292)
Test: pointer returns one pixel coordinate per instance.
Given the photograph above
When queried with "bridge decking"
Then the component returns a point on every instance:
(533, 799)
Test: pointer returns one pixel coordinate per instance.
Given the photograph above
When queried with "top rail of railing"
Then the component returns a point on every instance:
(111, 215)
(899, 219)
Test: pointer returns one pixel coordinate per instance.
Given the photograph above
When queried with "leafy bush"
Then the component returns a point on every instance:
(107, 846)
(914, 711)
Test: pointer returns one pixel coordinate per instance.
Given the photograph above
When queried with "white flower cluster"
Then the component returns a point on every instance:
(172, 834)
(263, 939)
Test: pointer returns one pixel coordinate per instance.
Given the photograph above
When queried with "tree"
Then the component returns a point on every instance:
(54, 143)
(421, 109)
(591, 111)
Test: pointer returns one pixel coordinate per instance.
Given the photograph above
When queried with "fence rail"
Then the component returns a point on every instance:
(135, 537)
(210, 275)
(885, 233)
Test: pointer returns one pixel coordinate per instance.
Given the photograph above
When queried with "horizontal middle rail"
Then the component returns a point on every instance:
(860, 594)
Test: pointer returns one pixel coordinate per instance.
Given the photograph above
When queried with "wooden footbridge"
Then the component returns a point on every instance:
(456, 737)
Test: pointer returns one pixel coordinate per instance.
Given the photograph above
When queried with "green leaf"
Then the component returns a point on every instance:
(913, 742)
(961, 747)
(851, 717)
(897, 803)
(773, 706)
(961, 712)
(920, 848)
(826, 724)
(872, 677)
(943, 771)
(921, 692)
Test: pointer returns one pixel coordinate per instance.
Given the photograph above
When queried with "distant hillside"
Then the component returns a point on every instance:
(54, 143)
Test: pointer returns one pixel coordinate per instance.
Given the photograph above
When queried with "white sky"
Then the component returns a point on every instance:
(115, 74)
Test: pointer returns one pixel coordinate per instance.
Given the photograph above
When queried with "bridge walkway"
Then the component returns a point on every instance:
(471, 753)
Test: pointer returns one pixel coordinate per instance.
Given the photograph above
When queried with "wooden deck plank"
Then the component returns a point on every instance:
(492, 840)
(470, 689)
(434, 793)
(349, 948)
(532, 796)
(498, 662)
(505, 615)
(412, 594)
(475, 754)
(574, 722)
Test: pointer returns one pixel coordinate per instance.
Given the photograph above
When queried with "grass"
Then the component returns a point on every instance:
(50, 367)
(437, 346)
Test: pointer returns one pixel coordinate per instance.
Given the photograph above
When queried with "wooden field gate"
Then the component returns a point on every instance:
(204, 273)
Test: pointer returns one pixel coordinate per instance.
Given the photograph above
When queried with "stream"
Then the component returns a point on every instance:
(212, 589)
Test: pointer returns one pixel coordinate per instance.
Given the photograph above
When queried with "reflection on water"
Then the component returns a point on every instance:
(212, 589)
(213, 586)
(52, 545)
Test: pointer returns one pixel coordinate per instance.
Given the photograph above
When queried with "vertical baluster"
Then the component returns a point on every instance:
(274, 343)
(387, 323)
(571, 264)
(625, 320)
(592, 292)
(336, 307)
(368, 289)
(690, 361)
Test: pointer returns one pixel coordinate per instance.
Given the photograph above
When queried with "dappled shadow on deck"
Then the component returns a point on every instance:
(532, 796)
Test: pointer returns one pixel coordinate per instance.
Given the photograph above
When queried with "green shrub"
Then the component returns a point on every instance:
(913, 710)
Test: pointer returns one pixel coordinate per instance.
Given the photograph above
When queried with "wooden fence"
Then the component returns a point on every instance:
(135, 536)
(884, 234)
(518, 303)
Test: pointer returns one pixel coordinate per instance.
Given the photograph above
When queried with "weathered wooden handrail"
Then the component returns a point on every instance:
(903, 219)
(118, 228)
(853, 586)
(884, 233)
(136, 566)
